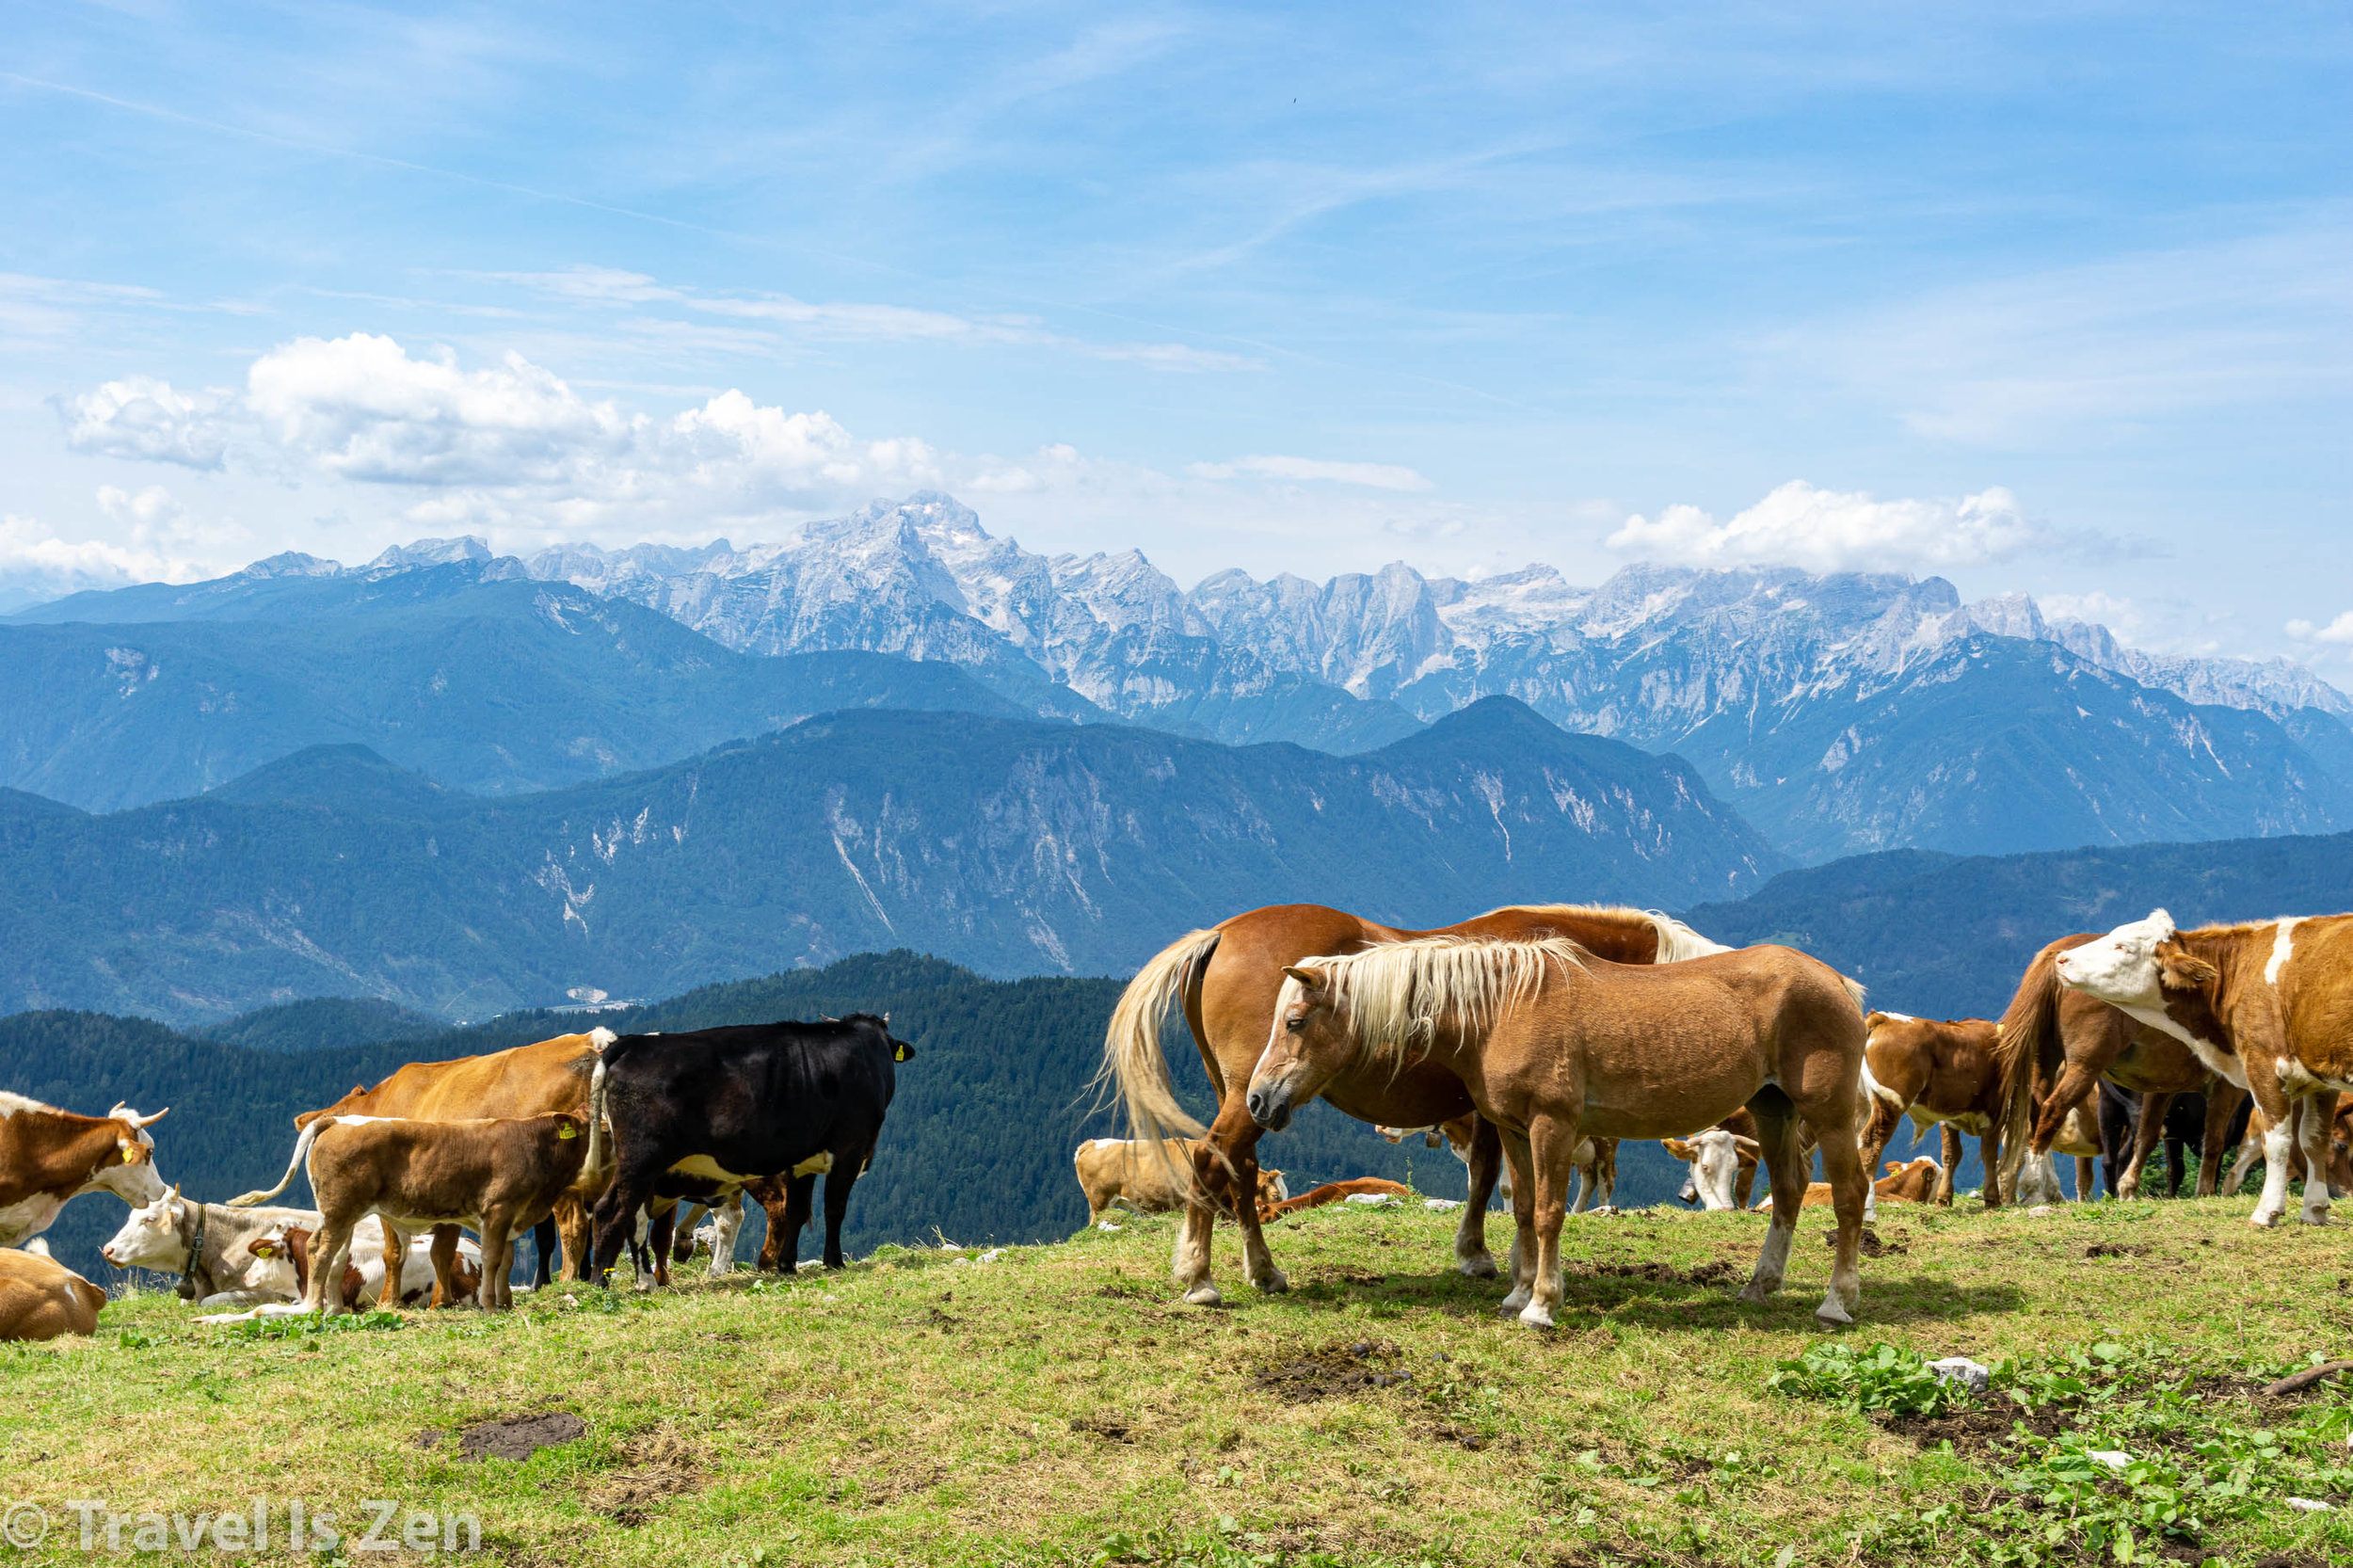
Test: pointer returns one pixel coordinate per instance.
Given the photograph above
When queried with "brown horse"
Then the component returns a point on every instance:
(1555, 1044)
(2055, 1045)
(1225, 979)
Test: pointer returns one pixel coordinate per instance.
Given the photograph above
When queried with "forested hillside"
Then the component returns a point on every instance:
(1943, 936)
(977, 1145)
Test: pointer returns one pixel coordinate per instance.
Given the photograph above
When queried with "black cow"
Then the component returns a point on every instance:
(781, 1099)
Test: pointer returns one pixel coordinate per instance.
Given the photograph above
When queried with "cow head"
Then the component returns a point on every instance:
(129, 1172)
(1715, 1157)
(150, 1237)
(2135, 967)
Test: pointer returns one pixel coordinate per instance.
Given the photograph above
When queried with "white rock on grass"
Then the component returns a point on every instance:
(1976, 1379)
(992, 1254)
(2311, 1505)
(1441, 1205)
(1370, 1200)
(2115, 1459)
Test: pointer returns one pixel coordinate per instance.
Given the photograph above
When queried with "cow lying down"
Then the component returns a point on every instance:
(1131, 1175)
(41, 1298)
(1903, 1183)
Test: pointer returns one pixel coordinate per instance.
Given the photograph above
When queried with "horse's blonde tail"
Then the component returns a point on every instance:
(1678, 941)
(302, 1148)
(2027, 1045)
(1134, 1067)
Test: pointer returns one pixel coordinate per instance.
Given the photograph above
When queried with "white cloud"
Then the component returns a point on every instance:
(144, 418)
(2337, 630)
(1379, 476)
(1800, 524)
(37, 566)
(510, 443)
(859, 322)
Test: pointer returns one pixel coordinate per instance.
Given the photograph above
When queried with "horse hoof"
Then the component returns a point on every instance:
(1513, 1303)
(2315, 1216)
(1481, 1267)
(1755, 1291)
(1274, 1282)
(1831, 1312)
(1535, 1316)
(1203, 1294)
(2263, 1221)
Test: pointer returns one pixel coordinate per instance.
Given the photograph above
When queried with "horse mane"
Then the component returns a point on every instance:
(1397, 994)
(1676, 940)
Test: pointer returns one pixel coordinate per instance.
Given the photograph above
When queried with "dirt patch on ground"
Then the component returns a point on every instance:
(1975, 1426)
(1332, 1370)
(518, 1437)
(2114, 1249)
(1108, 1425)
(656, 1465)
(1656, 1273)
(1349, 1276)
(1873, 1244)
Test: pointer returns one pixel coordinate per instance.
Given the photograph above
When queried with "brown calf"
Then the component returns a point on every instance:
(526, 1081)
(41, 1298)
(1946, 1072)
(1903, 1183)
(495, 1176)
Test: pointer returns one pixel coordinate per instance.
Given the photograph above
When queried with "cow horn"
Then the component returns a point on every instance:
(138, 1120)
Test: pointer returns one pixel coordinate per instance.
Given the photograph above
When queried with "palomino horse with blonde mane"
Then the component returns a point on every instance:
(1224, 980)
(1555, 1044)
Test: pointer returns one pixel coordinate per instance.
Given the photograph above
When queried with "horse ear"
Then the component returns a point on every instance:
(2182, 970)
(1309, 979)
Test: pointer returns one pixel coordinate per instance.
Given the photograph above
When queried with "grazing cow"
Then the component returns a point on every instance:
(2037, 1177)
(2131, 1124)
(41, 1298)
(782, 1099)
(495, 1175)
(527, 1080)
(2263, 1004)
(289, 1246)
(1331, 1191)
(1128, 1173)
(209, 1246)
(50, 1157)
(1943, 1073)
(1723, 1168)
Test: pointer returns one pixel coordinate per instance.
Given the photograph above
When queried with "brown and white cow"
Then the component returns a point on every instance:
(1128, 1173)
(1331, 1193)
(526, 1081)
(291, 1245)
(41, 1298)
(50, 1157)
(494, 1175)
(209, 1246)
(2268, 1005)
(1941, 1072)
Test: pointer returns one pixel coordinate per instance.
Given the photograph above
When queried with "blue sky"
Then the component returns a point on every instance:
(2056, 298)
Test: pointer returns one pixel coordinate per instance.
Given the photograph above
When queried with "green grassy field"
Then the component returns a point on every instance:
(1059, 1406)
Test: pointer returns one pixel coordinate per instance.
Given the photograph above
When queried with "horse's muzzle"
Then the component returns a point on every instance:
(1270, 1110)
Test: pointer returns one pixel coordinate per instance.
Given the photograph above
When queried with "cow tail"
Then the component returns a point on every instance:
(594, 1159)
(2027, 1045)
(1134, 1067)
(301, 1149)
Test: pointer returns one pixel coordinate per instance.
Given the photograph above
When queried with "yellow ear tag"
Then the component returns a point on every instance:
(568, 1130)
(900, 1054)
